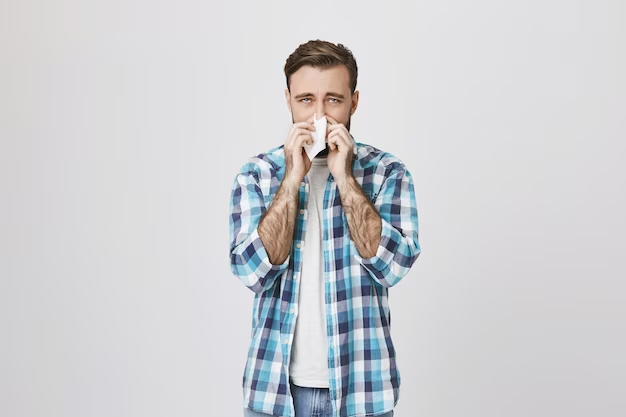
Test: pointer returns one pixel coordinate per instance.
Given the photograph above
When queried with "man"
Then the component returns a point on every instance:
(320, 242)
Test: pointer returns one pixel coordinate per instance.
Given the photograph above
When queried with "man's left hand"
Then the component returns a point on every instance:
(340, 150)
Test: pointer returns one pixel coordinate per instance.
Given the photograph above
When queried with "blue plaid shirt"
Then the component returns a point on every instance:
(363, 375)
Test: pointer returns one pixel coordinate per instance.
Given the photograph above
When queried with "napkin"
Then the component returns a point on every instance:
(319, 136)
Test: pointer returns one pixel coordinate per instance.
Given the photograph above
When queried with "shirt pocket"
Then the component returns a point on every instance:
(371, 196)
(370, 193)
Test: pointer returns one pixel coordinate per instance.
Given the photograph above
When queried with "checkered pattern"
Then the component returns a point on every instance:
(363, 374)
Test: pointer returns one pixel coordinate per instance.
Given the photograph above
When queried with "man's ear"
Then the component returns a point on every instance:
(288, 98)
(355, 102)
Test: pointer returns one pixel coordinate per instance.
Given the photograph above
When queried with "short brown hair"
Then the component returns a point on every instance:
(321, 54)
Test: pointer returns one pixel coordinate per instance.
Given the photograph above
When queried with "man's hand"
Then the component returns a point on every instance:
(364, 222)
(277, 224)
(296, 159)
(340, 151)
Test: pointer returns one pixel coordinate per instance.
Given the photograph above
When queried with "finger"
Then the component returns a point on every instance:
(296, 144)
(302, 140)
(304, 125)
(339, 126)
(339, 139)
(332, 143)
(298, 132)
(299, 125)
(341, 133)
(331, 120)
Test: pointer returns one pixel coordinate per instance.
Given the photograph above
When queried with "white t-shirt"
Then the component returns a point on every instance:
(309, 355)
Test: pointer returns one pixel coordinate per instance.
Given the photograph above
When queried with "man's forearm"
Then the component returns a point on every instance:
(364, 222)
(277, 224)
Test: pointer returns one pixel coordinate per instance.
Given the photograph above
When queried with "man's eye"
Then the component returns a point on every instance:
(303, 100)
(336, 100)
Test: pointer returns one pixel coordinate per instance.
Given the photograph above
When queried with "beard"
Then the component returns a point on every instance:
(324, 153)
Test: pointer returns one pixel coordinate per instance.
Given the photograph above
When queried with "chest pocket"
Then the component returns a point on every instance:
(370, 193)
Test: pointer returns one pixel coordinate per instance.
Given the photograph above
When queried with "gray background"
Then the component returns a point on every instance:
(123, 123)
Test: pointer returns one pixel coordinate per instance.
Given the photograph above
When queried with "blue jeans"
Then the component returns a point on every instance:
(309, 402)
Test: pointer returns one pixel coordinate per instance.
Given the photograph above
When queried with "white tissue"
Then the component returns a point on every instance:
(319, 136)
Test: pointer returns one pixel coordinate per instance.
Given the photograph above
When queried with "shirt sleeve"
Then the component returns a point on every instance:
(399, 244)
(249, 260)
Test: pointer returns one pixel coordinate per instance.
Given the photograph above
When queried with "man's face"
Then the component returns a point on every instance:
(323, 91)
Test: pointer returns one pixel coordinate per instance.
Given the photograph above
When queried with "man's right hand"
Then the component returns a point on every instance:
(277, 224)
(297, 161)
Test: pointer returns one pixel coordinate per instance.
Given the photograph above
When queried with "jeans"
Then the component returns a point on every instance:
(309, 402)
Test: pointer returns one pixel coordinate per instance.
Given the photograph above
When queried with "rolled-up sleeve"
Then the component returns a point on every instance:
(249, 260)
(399, 244)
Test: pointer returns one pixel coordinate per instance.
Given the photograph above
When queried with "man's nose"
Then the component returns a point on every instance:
(320, 110)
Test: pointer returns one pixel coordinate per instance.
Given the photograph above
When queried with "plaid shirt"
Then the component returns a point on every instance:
(363, 376)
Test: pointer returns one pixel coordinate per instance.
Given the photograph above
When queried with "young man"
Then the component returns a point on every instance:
(320, 242)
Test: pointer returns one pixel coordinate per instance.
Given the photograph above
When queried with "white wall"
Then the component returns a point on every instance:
(123, 123)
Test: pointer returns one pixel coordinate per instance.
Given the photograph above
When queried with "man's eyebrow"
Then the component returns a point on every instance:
(330, 93)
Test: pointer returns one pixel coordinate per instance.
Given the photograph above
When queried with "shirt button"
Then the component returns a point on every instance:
(298, 245)
(301, 211)
(302, 184)
(286, 341)
(293, 310)
(295, 276)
